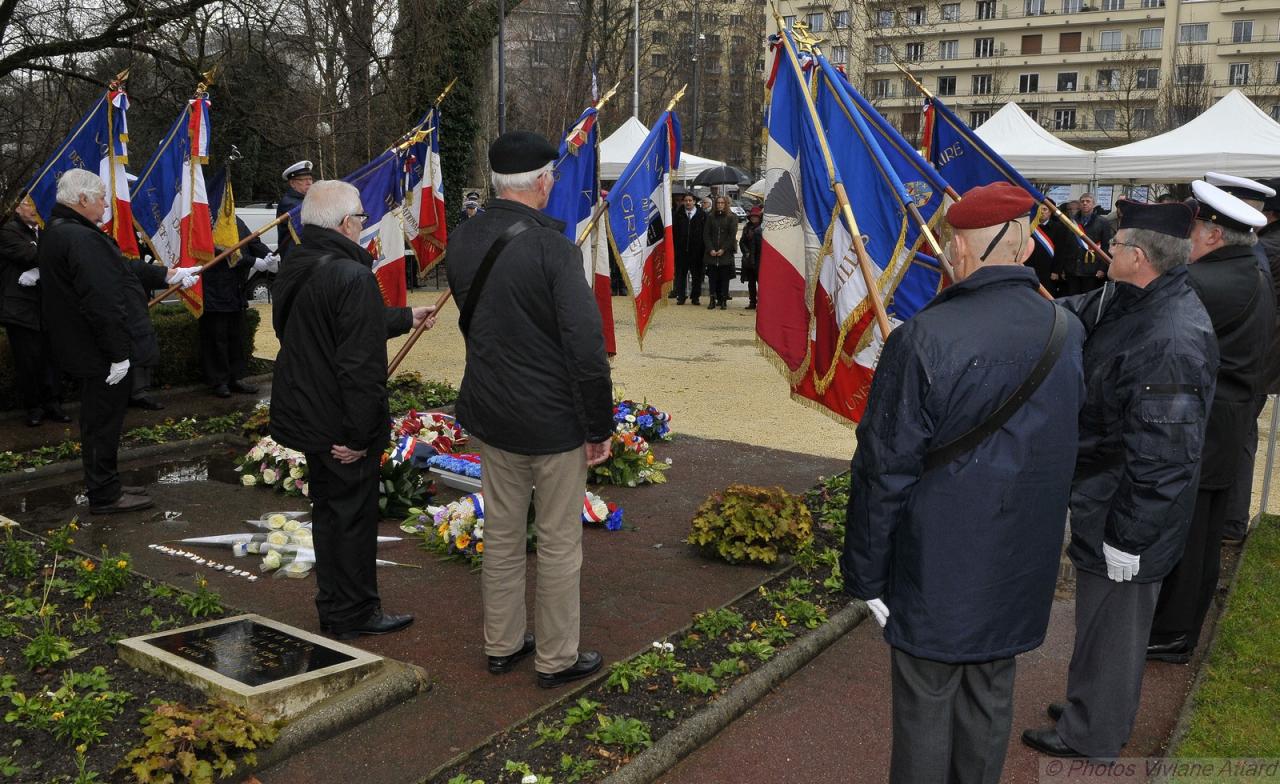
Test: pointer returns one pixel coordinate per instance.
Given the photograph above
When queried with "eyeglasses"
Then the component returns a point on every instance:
(1126, 245)
(363, 216)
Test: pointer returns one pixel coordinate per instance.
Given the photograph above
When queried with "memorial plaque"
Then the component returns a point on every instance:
(249, 652)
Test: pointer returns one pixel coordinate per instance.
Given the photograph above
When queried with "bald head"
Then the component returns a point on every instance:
(1003, 244)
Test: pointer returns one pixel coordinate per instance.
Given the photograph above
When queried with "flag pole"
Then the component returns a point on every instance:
(1075, 229)
(417, 333)
(846, 209)
(219, 258)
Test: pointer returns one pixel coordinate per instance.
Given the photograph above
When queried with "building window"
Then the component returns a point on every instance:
(1238, 74)
(1031, 44)
(1278, 72)
(737, 19)
(1110, 40)
(1150, 37)
(1068, 42)
(1033, 7)
(1029, 83)
(910, 125)
(915, 15)
(1033, 114)
(1242, 31)
(1189, 74)
(1067, 82)
(1144, 119)
(946, 85)
(1104, 119)
(840, 19)
(1148, 78)
(884, 18)
(1275, 111)
(880, 88)
(1064, 119)
(984, 47)
(978, 118)
(1071, 6)
(788, 22)
(986, 9)
(816, 21)
(1112, 5)
(883, 53)
(658, 60)
(1153, 3)
(1108, 79)
(840, 55)
(1193, 33)
(981, 84)
(950, 12)
(657, 14)
(915, 51)
(659, 37)
(948, 50)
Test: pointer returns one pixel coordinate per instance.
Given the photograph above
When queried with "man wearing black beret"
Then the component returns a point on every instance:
(537, 395)
(1149, 364)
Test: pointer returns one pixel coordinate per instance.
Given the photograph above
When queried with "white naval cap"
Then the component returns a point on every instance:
(1220, 207)
(1240, 187)
(299, 169)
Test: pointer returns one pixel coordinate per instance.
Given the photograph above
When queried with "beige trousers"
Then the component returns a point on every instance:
(508, 482)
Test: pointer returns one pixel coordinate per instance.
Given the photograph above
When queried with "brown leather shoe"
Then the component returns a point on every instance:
(125, 503)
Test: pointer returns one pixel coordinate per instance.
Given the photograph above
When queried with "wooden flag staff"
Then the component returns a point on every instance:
(417, 333)
(218, 259)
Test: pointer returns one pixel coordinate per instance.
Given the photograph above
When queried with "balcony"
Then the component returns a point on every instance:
(1010, 16)
(1246, 6)
(1088, 57)
(1257, 45)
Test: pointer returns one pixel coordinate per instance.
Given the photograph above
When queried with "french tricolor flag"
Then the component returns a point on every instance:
(423, 214)
(640, 219)
(170, 204)
(118, 219)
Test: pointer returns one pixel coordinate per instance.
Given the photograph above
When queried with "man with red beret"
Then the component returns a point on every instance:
(1149, 363)
(959, 492)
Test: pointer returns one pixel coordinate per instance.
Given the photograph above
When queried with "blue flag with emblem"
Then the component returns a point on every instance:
(964, 159)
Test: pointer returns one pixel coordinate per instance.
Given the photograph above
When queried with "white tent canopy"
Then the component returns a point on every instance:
(620, 147)
(1033, 151)
(1233, 137)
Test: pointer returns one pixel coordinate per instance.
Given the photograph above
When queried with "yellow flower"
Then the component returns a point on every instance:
(88, 565)
(479, 548)
(122, 564)
(73, 526)
(649, 459)
(781, 619)
(442, 529)
(462, 541)
(81, 749)
(58, 715)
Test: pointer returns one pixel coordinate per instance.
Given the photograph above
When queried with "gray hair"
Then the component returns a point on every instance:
(1163, 251)
(518, 183)
(329, 202)
(1238, 237)
(77, 183)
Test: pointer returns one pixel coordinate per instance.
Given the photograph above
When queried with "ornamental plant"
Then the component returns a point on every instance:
(76, 713)
(95, 580)
(631, 462)
(197, 743)
(753, 524)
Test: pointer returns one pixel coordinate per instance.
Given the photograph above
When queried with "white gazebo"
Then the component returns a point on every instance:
(1033, 151)
(620, 147)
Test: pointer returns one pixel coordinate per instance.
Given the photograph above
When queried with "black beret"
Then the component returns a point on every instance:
(1172, 218)
(517, 152)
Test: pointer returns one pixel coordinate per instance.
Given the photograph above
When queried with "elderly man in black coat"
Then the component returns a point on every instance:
(1149, 360)
(959, 492)
(20, 314)
(329, 400)
(1224, 273)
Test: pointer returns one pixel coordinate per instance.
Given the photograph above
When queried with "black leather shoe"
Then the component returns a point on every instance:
(501, 664)
(125, 503)
(752, 306)
(1048, 741)
(712, 306)
(221, 391)
(54, 411)
(378, 623)
(242, 388)
(1176, 651)
(588, 662)
(723, 306)
(1055, 710)
(145, 403)
(695, 301)
(34, 417)
(134, 490)
(679, 300)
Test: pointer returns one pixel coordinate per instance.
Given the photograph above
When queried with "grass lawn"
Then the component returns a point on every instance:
(1236, 711)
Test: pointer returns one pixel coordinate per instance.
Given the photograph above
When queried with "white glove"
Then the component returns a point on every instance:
(879, 611)
(184, 276)
(270, 263)
(29, 278)
(1121, 566)
(117, 372)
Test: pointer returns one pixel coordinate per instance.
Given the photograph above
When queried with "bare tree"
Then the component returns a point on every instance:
(1187, 91)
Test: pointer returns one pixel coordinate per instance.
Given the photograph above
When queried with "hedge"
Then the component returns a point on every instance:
(178, 335)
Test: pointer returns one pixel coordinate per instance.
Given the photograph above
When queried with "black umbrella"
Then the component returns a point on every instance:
(723, 175)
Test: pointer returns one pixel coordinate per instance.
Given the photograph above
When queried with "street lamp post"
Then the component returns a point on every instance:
(502, 67)
(698, 38)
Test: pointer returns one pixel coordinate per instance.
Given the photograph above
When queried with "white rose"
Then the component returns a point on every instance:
(304, 489)
(256, 453)
(277, 537)
(276, 520)
(248, 480)
(271, 560)
(292, 525)
(599, 508)
(269, 476)
(302, 538)
(296, 472)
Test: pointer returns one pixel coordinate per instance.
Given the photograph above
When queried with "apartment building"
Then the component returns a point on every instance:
(1097, 73)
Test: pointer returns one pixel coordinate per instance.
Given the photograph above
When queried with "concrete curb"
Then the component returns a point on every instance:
(128, 455)
(704, 725)
(394, 684)
(166, 394)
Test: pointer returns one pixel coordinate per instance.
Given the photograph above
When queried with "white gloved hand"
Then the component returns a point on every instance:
(1121, 566)
(29, 278)
(183, 276)
(269, 263)
(117, 372)
(879, 611)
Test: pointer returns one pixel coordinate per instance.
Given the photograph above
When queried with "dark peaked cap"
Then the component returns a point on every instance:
(1172, 218)
(517, 152)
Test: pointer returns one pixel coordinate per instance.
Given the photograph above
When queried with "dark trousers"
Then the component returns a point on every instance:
(139, 381)
(688, 278)
(222, 347)
(950, 721)
(749, 278)
(1188, 590)
(36, 378)
(1241, 494)
(102, 409)
(1104, 681)
(344, 515)
(718, 278)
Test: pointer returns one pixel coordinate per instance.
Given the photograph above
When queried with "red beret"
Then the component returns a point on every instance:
(990, 205)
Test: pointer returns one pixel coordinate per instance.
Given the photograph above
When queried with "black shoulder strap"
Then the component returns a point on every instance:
(482, 273)
(966, 443)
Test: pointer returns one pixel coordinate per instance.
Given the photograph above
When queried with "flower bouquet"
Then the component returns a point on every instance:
(631, 463)
(438, 431)
(461, 471)
(643, 419)
(268, 464)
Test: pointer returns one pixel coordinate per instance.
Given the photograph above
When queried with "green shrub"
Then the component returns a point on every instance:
(196, 743)
(746, 523)
(178, 335)
(410, 390)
